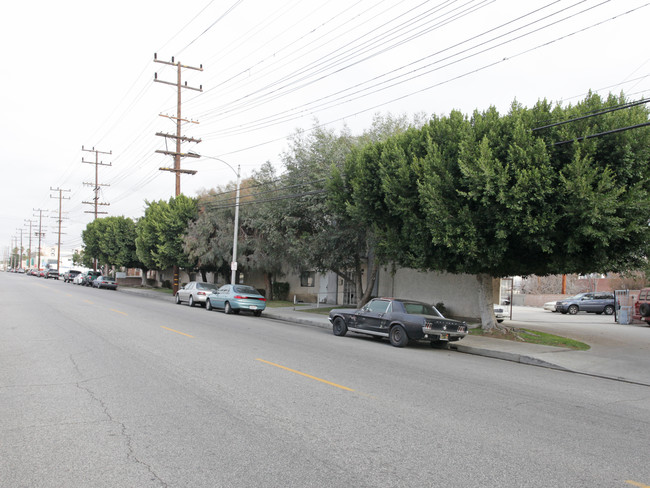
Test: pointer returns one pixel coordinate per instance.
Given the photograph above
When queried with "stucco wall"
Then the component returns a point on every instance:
(457, 292)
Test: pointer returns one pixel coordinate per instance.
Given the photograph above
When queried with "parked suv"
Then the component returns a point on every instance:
(52, 274)
(642, 306)
(69, 275)
(596, 302)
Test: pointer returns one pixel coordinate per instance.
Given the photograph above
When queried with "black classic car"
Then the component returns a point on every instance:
(399, 320)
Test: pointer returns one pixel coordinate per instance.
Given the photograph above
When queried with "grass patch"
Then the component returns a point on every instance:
(532, 337)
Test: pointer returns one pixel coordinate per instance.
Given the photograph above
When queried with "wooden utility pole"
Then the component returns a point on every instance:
(20, 253)
(178, 137)
(97, 185)
(40, 233)
(60, 219)
(30, 241)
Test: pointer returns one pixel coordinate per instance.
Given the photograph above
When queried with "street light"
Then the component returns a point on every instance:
(233, 264)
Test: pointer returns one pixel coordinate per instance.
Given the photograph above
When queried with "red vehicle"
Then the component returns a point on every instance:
(642, 306)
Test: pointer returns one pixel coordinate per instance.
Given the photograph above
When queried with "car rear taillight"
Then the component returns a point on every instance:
(242, 297)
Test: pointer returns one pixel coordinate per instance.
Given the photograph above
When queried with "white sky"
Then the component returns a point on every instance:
(79, 73)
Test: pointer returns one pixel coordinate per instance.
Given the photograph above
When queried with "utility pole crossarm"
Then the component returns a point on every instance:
(182, 138)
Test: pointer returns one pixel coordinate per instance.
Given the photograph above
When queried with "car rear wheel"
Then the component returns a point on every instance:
(339, 328)
(398, 337)
(191, 301)
(227, 308)
(609, 310)
(573, 309)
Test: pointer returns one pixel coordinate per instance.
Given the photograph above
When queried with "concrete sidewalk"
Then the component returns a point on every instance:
(601, 361)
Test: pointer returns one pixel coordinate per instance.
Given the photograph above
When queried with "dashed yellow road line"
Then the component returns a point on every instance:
(117, 311)
(88, 301)
(636, 483)
(178, 332)
(305, 375)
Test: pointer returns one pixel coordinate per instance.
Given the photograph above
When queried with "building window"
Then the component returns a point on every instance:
(308, 278)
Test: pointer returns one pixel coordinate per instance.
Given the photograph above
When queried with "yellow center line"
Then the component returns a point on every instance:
(636, 483)
(305, 375)
(88, 301)
(117, 311)
(181, 333)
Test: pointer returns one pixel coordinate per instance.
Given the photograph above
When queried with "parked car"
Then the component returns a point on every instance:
(642, 306)
(398, 320)
(234, 298)
(107, 282)
(89, 276)
(595, 302)
(499, 313)
(551, 306)
(41, 273)
(195, 292)
(52, 274)
(79, 279)
(69, 275)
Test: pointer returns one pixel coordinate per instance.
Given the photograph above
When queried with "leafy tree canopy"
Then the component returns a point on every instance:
(159, 241)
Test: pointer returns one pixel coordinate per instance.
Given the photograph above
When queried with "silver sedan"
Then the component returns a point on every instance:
(195, 292)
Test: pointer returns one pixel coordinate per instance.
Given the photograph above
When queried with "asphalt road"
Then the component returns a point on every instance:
(104, 389)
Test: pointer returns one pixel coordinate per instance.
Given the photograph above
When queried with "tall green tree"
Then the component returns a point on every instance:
(159, 241)
(489, 196)
(110, 240)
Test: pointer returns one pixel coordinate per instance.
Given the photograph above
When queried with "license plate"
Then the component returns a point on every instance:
(253, 307)
(444, 337)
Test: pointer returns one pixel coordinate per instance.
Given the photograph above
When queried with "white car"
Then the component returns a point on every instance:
(499, 313)
(550, 306)
(77, 280)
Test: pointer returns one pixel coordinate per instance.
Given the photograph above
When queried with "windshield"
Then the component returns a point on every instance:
(245, 289)
(417, 308)
(206, 286)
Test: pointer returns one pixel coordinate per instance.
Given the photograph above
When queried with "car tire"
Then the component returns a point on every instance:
(609, 310)
(339, 328)
(257, 313)
(227, 308)
(178, 299)
(644, 309)
(397, 336)
(208, 305)
(573, 309)
(190, 302)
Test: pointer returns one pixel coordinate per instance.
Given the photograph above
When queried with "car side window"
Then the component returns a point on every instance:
(378, 306)
(223, 289)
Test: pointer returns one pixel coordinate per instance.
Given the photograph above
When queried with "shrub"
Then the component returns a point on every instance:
(280, 290)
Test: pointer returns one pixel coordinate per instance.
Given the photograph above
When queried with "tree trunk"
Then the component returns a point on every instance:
(268, 284)
(204, 276)
(485, 301)
(372, 277)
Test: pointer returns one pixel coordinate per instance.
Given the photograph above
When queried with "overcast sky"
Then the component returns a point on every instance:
(80, 73)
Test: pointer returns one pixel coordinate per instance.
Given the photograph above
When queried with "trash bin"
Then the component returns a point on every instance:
(625, 315)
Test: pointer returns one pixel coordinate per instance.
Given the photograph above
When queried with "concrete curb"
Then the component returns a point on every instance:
(506, 356)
